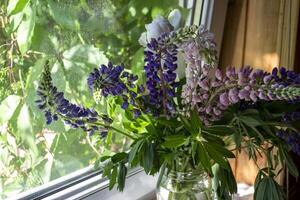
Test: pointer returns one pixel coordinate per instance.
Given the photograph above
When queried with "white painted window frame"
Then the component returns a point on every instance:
(88, 183)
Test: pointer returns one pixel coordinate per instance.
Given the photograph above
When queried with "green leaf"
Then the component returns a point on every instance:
(285, 158)
(151, 130)
(122, 172)
(113, 177)
(222, 150)
(14, 22)
(273, 190)
(87, 54)
(221, 130)
(174, 141)
(148, 156)
(250, 121)
(16, 6)
(216, 155)
(250, 112)
(30, 88)
(203, 157)
(134, 149)
(137, 65)
(104, 158)
(26, 28)
(195, 121)
(118, 157)
(41, 41)
(161, 174)
(64, 14)
(25, 128)
(261, 190)
(213, 138)
(8, 107)
(164, 121)
(187, 125)
(224, 182)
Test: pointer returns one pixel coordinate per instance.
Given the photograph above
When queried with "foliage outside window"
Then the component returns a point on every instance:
(80, 35)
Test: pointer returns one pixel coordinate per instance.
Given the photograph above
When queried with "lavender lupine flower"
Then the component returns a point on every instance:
(292, 139)
(113, 80)
(160, 66)
(200, 56)
(54, 105)
(245, 84)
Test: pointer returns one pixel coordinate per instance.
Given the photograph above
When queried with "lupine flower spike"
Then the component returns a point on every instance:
(56, 106)
(245, 84)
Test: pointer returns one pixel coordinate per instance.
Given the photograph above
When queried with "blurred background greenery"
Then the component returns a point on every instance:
(76, 35)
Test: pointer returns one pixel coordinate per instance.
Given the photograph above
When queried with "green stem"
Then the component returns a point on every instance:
(81, 38)
(92, 146)
(117, 130)
(108, 127)
(22, 83)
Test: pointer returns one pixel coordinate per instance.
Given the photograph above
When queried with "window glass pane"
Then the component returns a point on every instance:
(76, 36)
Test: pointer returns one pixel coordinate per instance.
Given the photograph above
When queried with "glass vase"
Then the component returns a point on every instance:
(191, 185)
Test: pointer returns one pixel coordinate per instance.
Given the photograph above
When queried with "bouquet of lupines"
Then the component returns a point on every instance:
(181, 124)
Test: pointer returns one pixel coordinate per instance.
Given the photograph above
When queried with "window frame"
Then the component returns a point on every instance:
(88, 183)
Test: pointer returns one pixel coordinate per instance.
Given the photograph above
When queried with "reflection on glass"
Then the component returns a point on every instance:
(75, 36)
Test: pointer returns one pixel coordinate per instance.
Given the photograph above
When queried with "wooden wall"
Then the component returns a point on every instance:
(260, 33)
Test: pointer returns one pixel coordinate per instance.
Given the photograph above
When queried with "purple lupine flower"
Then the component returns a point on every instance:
(292, 139)
(285, 77)
(233, 95)
(224, 99)
(197, 50)
(113, 80)
(253, 96)
(219, 74)
(55, 105)
(107, 79)
(160, 66)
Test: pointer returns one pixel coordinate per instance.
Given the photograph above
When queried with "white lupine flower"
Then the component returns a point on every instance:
(153, 30)
(175, 18)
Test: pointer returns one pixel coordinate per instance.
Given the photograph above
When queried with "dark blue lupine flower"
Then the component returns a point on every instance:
(103, 133)
(291, 116)
(107, 79)
(160, 69)
(292, 138)
(141, 89)
(113, 80)
(55, 105)
(285, 77)
(136, 113)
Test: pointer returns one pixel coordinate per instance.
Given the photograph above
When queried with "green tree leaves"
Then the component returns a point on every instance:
(86, 54)
(8, 107)
(25, 130)
(16, 6)
(64, 15)
(26, 28)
